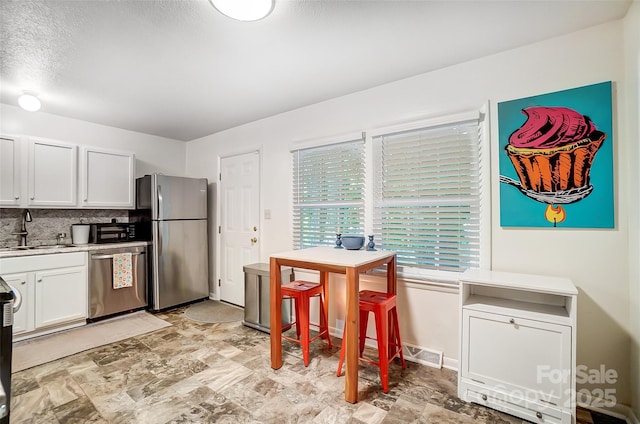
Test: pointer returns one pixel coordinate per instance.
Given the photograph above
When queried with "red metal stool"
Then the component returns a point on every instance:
(383, 306)
(301, 292)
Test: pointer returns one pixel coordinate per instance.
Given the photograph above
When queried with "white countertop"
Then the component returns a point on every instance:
(332, 256)
(9, 253)
(527, 282)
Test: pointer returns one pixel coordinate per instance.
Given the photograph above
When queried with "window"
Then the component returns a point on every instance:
(328, 187)
(427, 197)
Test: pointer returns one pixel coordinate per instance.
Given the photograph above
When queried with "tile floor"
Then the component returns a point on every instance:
(194, 372)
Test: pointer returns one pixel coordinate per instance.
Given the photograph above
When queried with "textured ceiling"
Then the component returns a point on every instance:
(180, 69)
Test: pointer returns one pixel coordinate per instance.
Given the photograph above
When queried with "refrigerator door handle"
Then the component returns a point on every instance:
(160, 216)
(159, 243)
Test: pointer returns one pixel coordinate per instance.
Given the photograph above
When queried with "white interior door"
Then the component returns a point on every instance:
(239, 220)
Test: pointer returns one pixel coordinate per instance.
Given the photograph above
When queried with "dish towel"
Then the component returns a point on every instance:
(122, 270)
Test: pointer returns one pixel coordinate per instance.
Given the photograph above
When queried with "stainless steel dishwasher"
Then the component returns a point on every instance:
(104, 300)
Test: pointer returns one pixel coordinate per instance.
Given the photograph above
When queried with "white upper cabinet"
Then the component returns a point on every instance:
(9, 171)
(43, 173)
(107, 179)
(53, 177)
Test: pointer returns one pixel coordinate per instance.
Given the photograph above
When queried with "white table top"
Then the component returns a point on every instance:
(332, 256)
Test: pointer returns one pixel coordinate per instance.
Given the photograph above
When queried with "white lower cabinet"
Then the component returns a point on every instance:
(61, 296)
(517, 344)
(24, 288)
(53, 291)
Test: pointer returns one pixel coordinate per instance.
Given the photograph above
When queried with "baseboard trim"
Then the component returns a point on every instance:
(450, 363)
(418, 354)
(622, 412)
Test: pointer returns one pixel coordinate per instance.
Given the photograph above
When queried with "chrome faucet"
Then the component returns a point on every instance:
(26, 217)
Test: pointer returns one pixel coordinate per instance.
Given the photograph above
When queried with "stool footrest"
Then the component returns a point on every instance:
(384, 308)
(301, 292)
(292, 339)
(395, 355)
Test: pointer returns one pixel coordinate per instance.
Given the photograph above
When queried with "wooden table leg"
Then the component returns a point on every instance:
(324, 280)
(392, 278)
(275, 305)
(392, 287)
(352, 333)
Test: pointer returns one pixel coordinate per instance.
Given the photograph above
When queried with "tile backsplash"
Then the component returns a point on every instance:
(48, 223)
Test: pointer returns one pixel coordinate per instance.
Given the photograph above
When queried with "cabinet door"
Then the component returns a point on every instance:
(61, 296)
(9, 172)
(531, 358)
(108, 178)
(23, 285)
(52, 173)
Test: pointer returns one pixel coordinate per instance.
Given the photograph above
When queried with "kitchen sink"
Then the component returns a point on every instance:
(51, 246)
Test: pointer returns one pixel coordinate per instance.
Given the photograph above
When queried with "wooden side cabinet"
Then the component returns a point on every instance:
(518, 344)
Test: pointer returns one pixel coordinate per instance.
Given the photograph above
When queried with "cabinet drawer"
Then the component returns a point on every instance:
(533, 412)
(518, 355)
(40, 262)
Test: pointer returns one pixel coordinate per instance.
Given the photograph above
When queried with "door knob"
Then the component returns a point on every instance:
(254, 240)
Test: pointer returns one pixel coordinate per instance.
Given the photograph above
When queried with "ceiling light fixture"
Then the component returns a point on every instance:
(244, 10)
(28, 101)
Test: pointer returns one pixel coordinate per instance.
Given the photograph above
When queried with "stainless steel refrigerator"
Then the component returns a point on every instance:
(176, 210)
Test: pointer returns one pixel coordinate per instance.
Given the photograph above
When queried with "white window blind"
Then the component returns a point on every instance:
(328, 187)
(427, 185)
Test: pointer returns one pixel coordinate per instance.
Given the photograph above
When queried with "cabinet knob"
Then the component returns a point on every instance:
(39, 280)
(17, 197)
(254, 240)
(33, 197)
(539, 414)
(512, 321)
(484, 397)
(23, 282)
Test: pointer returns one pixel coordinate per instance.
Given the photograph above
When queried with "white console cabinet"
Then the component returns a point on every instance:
(518, 344)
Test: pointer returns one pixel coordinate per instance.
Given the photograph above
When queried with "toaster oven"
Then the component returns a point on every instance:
(115, 232)
(112, 232)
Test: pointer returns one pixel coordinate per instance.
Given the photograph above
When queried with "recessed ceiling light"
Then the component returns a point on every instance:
(244, 10)
(30, 102)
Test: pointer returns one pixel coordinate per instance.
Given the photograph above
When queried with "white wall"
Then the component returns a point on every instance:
(596, 260)
(153, 154)
(632, 73)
